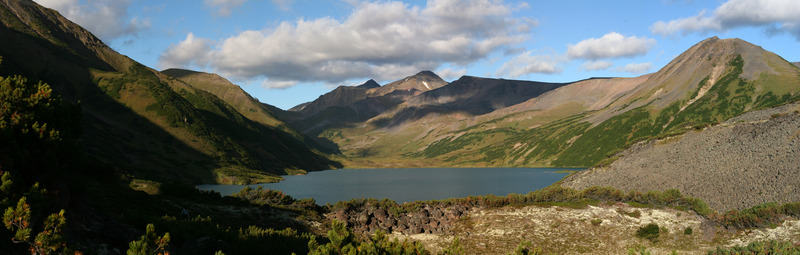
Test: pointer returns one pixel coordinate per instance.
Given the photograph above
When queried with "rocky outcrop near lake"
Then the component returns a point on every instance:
(745, 161)
(426, 219)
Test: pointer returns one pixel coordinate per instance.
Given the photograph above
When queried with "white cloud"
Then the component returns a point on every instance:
(695, 23)
(107, 19)
(449, 74)
(596, 65)
(223, 7)
(635, 68)
(776, 16)
(611, 45)
(278, 84)
(189, 51)
(381, 40)
(526, 63)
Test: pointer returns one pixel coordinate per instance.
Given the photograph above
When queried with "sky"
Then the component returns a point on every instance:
(287, 52)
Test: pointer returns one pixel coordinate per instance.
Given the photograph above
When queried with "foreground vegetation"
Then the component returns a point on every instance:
(758, 216)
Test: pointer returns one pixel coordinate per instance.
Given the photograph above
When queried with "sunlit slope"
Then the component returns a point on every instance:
(577, 124)
(149, 124)
(711, 82)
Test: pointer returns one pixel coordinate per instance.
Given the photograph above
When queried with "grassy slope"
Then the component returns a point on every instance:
(140, 120)
(573, 142)
(568, 137)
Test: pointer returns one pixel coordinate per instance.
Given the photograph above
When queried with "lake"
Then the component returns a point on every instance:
(407, 185)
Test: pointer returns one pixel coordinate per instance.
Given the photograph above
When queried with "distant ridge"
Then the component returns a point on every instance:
(477, 121)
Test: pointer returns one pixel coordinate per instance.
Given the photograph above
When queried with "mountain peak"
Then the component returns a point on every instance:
(427, 73)
(369, 84)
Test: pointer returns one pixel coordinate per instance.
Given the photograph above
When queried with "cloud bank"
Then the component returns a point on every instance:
(528, 64)
(775, 16)
(611, 45)
(382, 40)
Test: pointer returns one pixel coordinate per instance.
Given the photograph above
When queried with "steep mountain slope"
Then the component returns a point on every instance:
(341, 96)
(228, 92)
(743, 162)
(145, 122)
(235, 96)
(422, 81)
(349, 106)
(418, 119)
(468, 95)
(576, 124)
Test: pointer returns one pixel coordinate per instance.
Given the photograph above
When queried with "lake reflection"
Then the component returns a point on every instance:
(406, 185)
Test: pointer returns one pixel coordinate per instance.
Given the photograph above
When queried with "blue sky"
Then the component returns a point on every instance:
(286, 52)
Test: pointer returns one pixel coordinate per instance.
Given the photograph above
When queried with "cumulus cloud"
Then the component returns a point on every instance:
(596, 65)
(224, 7)
(635, 68)
(107, 19)
(189, 51)
(382, 40)
(526, 63)
(611, 45)
(776, 16)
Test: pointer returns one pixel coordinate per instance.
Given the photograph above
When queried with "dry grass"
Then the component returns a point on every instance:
(562, 230)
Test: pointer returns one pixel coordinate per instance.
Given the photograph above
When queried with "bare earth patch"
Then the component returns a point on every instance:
(602, 229)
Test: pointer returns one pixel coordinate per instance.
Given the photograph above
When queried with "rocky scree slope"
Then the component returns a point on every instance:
(745, 161)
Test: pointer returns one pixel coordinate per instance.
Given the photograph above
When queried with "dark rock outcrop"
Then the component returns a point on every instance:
(427, 218)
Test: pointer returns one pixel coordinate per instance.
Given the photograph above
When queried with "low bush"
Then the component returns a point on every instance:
(768, 247)
(649, 232)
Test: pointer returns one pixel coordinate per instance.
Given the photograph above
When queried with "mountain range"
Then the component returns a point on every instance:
(496, 122)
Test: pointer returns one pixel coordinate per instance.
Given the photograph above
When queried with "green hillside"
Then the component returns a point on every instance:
(148, 124)
(711, 82)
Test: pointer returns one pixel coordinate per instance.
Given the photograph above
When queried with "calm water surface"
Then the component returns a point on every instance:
(406, 185)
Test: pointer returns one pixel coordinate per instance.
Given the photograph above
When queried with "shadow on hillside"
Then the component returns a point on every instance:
(115, 133)
(467, 97)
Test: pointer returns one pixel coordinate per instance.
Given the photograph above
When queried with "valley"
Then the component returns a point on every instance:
(101, 154)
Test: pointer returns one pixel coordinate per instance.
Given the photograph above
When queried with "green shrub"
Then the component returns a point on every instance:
(649, 231)
(526, 248)
(767, 247)
(596, 221)
(342, 241)
(688, 231)
(149, 243)
(633, 214)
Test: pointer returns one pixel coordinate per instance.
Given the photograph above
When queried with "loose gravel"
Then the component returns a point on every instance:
(745, 161)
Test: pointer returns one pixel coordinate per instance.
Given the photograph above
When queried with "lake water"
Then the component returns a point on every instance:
(407, 185)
